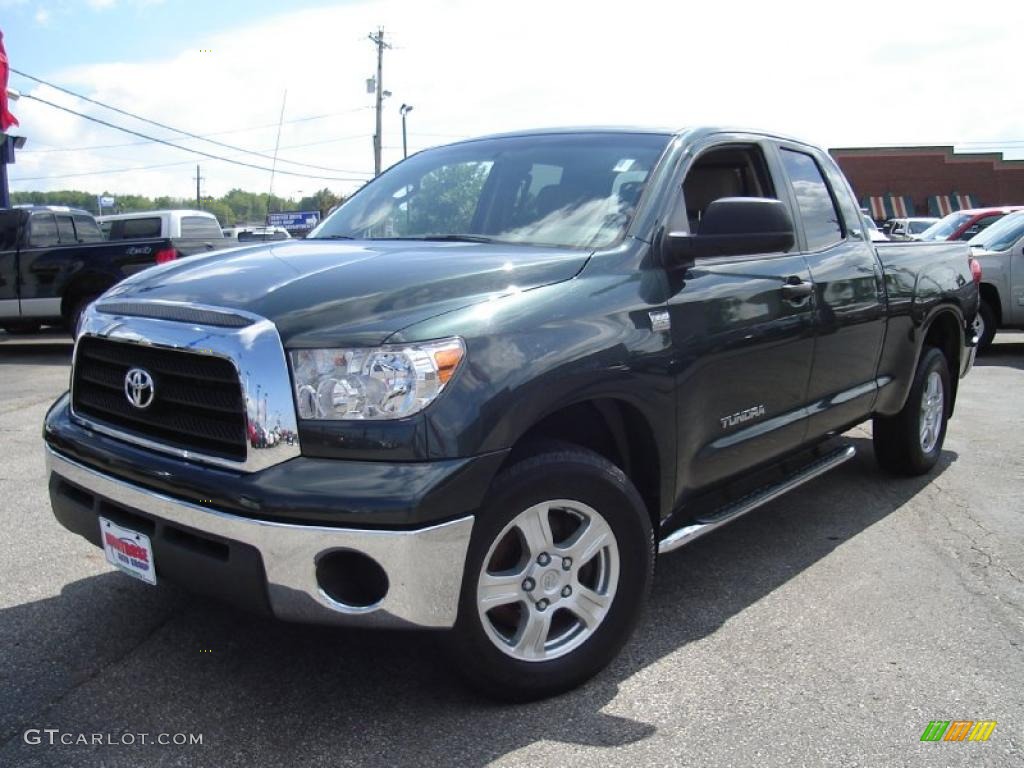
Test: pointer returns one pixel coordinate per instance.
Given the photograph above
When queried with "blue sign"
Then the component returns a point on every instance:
(294, 219)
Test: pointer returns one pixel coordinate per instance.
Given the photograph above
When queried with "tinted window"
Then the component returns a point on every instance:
(131, 228)
(200, 226)
(87, 230)
(979, 225)
(945, 226)
(817, 210)
(66, 230)
(43, 229)
(10, 226)
(855, 220)
(1001, 235)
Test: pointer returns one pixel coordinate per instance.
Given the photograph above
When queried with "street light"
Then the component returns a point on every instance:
(405, 109)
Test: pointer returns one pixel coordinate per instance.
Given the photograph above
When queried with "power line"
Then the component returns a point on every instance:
(217, 133)
(161, 125)
(182, 162)
(183, 149)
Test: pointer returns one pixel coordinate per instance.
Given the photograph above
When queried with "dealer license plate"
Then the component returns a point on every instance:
(128, 550)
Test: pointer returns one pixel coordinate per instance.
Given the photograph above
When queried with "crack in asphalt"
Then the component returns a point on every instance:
(975, 544)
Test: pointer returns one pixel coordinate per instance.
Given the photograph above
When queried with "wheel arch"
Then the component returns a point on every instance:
(944, 330)
(617, 430)
(88, 284)
(990, 295)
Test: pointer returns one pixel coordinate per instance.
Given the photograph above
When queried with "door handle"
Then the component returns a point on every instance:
(796, 289)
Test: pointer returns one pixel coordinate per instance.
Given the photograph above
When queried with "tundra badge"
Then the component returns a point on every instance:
(738, 418)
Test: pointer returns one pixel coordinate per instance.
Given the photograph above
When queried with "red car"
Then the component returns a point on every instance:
(965, 224)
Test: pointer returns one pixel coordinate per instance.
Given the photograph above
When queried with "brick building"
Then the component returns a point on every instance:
(929, 181)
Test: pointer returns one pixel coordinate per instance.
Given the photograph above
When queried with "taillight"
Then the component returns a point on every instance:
(169, 254)
(975, 269)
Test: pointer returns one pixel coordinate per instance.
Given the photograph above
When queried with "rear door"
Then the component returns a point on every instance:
(849, 294)
(39, 264)
(745, 340)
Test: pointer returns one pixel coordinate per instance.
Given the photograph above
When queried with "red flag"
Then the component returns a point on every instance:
(6, 118)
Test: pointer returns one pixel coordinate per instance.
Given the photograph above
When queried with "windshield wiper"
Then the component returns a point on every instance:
(445, 238)
(332, 237)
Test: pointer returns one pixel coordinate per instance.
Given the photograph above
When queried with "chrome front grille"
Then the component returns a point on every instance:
(221, 393)
(196, 403)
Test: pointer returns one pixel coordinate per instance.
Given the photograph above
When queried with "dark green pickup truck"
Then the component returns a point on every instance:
(54, 260)
(492, 388)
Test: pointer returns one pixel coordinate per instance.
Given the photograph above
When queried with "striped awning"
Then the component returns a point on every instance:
(943, 205)
(889, 206)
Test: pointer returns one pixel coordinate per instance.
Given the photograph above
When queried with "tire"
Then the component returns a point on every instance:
(77, 310)
(591, 507)
(985, 325)
(910, 442)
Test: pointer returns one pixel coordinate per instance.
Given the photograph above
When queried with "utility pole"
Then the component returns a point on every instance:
(199, 199)
(378, 40)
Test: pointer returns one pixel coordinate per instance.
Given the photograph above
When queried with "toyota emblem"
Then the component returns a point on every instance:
(138, 387)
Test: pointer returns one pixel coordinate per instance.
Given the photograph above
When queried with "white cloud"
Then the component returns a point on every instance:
(101, 5)
(472, 68)
(42, 16)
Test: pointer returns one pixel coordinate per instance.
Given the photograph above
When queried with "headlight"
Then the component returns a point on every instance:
(375, 383)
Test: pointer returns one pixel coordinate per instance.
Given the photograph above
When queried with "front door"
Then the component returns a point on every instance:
(743, 328)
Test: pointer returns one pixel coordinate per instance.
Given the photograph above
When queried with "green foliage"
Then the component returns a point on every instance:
(452, 192)
(236, 207)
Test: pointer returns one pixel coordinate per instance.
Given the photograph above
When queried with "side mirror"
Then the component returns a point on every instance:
(733, 226)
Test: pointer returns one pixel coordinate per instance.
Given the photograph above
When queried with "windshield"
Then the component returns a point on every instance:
(577, 191)
(944, 227)
(917, 227)
(1000, 235)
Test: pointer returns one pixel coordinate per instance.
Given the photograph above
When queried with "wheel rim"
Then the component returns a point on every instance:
(932, 402)
(979, 326)
(548, 580)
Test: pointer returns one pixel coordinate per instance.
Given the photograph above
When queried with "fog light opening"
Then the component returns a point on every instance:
(351, 578)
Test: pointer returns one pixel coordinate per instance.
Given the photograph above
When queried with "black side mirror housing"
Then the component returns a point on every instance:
(733, 226)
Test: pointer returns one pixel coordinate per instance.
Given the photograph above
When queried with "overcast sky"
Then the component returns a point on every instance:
(850, 74)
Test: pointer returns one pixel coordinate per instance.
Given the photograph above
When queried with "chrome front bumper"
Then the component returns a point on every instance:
(424, 567)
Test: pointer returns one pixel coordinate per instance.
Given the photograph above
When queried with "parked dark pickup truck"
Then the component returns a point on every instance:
(54, 261)
(492, 387)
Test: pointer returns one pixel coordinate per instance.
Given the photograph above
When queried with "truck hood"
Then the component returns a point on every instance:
(324, 292)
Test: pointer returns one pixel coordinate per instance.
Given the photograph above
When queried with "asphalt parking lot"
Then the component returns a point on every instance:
(827, 628)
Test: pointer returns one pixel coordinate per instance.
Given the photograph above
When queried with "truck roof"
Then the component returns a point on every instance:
(51, 208)
(690, 131)
(150, 214)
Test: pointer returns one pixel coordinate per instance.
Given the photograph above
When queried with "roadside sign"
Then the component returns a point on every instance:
(294, 219)
(107, 202)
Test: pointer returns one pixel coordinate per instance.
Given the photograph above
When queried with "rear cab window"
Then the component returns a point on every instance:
(130, 229)
(66, 230)
(823, 226)
(200, 226)
(86, 229)
(147, 227)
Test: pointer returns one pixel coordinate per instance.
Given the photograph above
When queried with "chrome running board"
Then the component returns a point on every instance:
(723, 515)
